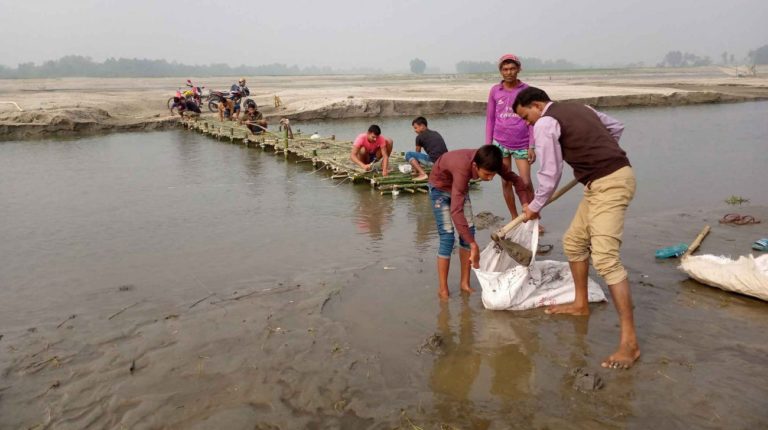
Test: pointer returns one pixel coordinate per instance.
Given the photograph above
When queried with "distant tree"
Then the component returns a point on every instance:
(684, 59)
(418, 66)
(672, 59)
(733, 59)
(475, 67)
(759, 55)
(724, 56)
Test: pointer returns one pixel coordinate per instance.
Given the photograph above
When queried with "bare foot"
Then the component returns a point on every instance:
(467, 289)
(443, 294)
(623, 358)
(421, 178)
(568, 309)
(542, 230)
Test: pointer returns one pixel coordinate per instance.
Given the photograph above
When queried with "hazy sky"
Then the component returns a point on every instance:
(382, 34)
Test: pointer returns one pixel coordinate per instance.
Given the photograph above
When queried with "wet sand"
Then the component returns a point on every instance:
(338, 350)
(243, 294)
(85, 105)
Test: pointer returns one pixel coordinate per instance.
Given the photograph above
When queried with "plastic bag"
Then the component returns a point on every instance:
(508, 285)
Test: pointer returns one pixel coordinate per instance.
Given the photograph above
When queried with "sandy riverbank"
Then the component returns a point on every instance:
(55, 107)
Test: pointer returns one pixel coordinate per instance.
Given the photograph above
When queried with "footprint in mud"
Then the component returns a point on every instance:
(433, 344)
(586, 381)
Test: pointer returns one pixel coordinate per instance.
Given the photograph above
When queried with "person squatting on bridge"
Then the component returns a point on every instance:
(370, 147)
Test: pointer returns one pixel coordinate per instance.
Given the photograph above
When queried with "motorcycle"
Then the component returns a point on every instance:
(194, 93)
(214, 97)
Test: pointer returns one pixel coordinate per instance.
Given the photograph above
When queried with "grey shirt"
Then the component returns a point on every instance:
(433, 144)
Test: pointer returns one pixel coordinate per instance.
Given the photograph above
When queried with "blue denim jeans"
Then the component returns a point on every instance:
(441, 207)
(421, 157)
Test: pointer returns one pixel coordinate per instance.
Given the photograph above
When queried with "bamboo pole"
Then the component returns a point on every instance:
(696, 242)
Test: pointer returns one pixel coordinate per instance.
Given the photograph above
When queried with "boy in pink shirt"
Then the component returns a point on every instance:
(506, 130)
(370, 147)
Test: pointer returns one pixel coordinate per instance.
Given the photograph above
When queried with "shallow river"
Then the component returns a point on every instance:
(171, 217)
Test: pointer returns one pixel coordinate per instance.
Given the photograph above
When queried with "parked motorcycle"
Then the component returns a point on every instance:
(192, 92)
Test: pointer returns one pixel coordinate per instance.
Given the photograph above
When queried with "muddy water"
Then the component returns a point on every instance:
(166, 280)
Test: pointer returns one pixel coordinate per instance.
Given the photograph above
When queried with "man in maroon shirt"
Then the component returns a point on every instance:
(449, 192)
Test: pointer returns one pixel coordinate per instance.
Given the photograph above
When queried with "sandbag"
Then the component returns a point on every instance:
(506, 285)
(747, 275)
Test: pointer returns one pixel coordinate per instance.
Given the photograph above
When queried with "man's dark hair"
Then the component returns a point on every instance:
(528, 96)
(489, 157)
(375, 129)
(420, 121)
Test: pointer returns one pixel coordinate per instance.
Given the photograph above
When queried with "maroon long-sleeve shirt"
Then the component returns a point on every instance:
(452, 173)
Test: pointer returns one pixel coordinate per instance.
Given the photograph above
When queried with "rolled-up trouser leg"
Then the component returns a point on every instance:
(608, 199)
(576, 238)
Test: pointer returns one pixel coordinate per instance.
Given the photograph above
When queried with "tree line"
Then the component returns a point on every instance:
(529, 63)
(79, 66)
(687, 59)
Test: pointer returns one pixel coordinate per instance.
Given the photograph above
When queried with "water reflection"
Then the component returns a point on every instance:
(501, 345)
(456, 368)
(372, 214)
(425, 229)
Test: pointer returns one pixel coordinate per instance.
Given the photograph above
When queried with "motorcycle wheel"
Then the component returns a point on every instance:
(213, 106)
(174, 109)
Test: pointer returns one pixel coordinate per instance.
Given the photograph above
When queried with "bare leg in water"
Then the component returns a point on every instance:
(465, 264)
(628, 351)
(580, 305)
(507, 189)
(524, 168)
(443, 265)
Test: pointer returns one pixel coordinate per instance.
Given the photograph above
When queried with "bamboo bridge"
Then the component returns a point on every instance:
(325, 153)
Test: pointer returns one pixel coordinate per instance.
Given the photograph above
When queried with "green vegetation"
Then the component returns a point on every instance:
(736, 200)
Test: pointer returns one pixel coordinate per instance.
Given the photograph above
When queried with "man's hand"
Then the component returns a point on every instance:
(474, 255)
(529, 214)
(368, 167)
(531, 156)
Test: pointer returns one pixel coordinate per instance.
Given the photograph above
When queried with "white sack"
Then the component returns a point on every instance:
(747, 275)
(508, 285)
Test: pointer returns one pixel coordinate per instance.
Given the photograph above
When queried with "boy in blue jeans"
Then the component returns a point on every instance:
(449, 192)
(432, 143)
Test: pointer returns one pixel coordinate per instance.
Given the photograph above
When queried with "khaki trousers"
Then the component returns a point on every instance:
(598, 224)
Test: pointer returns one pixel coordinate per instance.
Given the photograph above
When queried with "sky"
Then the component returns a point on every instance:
(386, 35)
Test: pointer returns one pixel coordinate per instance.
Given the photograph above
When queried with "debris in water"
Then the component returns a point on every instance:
(133, 367)
(736, 200)
(71, 317)
(486, 219)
